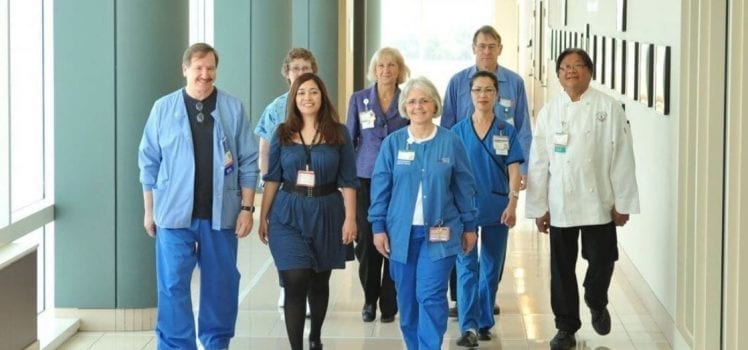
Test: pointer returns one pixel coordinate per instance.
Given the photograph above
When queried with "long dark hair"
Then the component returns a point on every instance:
(328, 123)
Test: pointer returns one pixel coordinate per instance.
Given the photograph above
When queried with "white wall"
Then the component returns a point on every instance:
(650, 238)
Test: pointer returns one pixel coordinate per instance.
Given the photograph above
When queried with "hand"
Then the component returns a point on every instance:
(349, 231)
(544, 222)
(262, 231)
(618, 218)
(150, 226)
(244, 223)
(509, 216)
(382, 243)
(522, 182)
(468, 241)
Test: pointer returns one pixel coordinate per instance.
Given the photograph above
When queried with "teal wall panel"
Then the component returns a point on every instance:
(232, 20)
(84, 154)
(151, 37)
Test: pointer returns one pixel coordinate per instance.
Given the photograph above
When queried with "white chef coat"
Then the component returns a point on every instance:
(581, 181)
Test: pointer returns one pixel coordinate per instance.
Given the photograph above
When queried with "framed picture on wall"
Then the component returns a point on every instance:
(619, 73)
(595, 58)
(645, 73)
(610, 62)
(632, 70)
(564, 13)
(621, 15)
(662, 79)
(601, 74)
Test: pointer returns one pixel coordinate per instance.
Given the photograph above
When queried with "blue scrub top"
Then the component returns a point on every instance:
(489, 169)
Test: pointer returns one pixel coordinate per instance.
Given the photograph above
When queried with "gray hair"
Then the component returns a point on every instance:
(425, 85)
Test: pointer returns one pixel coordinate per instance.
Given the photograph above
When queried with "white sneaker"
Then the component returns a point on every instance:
(308, 311)
(281, 297)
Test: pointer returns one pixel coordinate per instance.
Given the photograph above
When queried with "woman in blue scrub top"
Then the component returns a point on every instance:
(495, 155)
(422, 213)
(372, 115)
(309, 224)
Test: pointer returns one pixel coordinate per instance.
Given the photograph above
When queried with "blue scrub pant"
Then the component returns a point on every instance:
(477, 282)
(421, 285)
(178, 251)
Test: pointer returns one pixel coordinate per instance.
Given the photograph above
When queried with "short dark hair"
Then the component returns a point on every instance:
(487, 30)
(582, 54)
(199, 50)
(485, 74)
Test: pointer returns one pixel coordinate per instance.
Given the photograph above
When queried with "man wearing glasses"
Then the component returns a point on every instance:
(583, 135)
(198, 167)
(511, 107)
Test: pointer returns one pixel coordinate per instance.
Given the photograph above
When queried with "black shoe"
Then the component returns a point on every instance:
(468, 339)
(453, 312)
(369, 313)
(601, 321)
(496, 310)
(315, 345)
(386, 318)
(563, 341)
(484, 334)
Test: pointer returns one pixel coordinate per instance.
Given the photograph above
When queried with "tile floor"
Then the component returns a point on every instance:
(526, 320)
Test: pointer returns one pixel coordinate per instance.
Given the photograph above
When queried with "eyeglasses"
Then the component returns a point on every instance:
(418, 101)
(300, 69)
(490, 47)
(200, 116)
(487, 91)
(571, 67)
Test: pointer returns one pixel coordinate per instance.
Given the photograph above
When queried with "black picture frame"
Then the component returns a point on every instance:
(646, 58)
(632, 70)
(662, 79)
(622, 7)
(595, 58)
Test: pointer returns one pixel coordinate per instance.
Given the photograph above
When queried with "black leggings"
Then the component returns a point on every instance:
(300, 285)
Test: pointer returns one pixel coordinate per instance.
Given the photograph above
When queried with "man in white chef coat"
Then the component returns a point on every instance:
(581, 177)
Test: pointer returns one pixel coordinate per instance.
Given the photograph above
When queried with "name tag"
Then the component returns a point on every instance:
(505, 102)
(305, 178)
(406, 155)
(228, 159)
(560, 141)
(367, 119)
(501, 145)
(439, 234)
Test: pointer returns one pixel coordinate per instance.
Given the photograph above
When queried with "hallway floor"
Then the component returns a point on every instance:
(526, 320)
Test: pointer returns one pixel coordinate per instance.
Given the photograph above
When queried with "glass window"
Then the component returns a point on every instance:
(435, 36)
(26, 103)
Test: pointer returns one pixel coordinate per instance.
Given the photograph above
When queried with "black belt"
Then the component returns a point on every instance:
(316, 191)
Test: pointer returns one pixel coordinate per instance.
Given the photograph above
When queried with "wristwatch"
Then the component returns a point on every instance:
(514, 194)
(250, 209)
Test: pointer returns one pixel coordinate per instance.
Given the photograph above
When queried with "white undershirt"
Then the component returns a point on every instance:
(418, 213)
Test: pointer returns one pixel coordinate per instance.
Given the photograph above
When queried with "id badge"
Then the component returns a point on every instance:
(505, 102)
(228, 160)
(406, 155)
(501, 145)
(305, 178)
(560, 141)
(439, 234)
(367, 119)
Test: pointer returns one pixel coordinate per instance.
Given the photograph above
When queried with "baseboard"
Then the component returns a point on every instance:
(111, 320)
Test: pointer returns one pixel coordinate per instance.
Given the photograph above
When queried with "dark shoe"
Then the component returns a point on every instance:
(386, 318)
(453, 312)
(468, 339)
(484, 334)
(496, 310)
(563, 341)
(601, 321)
(315, 345)
(368, 313)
